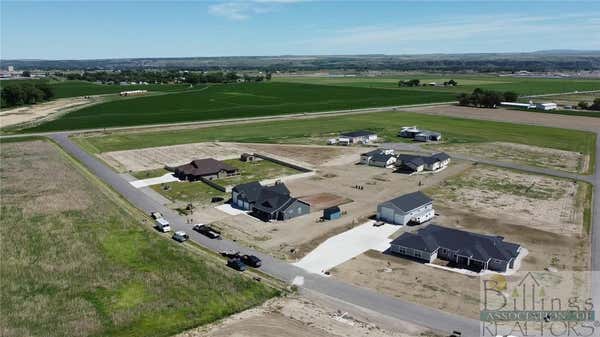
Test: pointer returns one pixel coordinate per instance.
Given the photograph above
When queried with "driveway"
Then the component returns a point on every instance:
(342, 247)
(167, 178)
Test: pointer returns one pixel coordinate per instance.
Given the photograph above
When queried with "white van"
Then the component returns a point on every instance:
(163, 225)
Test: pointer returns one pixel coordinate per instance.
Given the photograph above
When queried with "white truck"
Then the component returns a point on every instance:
(162, 225)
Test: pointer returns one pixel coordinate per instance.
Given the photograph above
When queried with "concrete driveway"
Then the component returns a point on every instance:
(167, 178)
(342, 247)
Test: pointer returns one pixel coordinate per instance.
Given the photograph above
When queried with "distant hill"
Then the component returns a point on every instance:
(546, 60)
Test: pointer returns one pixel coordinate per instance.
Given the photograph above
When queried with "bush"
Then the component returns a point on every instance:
(482, 98)
(583, 105)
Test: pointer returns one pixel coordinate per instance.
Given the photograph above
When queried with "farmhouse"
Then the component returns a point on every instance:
(419, 135)
(357, 137)
(415, 163)
(461, 248)
(268, 202)
(410, 208)
(380, 157)
(206, 169)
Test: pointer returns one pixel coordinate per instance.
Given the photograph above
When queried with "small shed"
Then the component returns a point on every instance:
(249, 157)
(332, 213)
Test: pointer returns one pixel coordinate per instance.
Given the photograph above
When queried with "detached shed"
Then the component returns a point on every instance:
(332, 213)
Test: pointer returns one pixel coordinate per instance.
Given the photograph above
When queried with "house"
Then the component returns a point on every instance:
(410, 208)
(249, 157)
(409, 132)
(427, 136)
(461, 248)
(379, 157)
(357, 137)
(206, 169)
(546, 106)
(419, 135)
(416, 163)
(268, 202)
(332, 213)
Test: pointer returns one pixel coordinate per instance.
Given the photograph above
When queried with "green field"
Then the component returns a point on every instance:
(77, 260)
(235, 101)
(522, 86)
(315, 130)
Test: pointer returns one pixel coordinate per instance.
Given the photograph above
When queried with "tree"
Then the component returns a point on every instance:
(511, 96)
(26, 73)
(583, 105)
(13, 95)
(596, 104)
(452, 83)
(463, 99)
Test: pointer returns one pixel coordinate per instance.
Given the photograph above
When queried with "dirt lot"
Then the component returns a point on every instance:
(31, 113)
(513, 116)
(320, 201)
(536, 201)
(520, 153)
(157, 157)
(451, 291)
(299, 317)
(294, 238)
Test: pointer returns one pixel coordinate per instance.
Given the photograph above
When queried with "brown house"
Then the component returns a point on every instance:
(205, 168)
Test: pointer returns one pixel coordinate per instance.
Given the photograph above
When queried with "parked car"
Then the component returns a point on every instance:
(207, 231)
(156, 215)
(180, 236)
(162, 225)
(230, 253)
(251, 260)
(378, 224)
(236, 264)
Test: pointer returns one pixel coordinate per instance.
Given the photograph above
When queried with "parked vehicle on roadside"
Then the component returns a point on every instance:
(378, 224)
(236, 264)
(251, 260)
(156, 215)
(162, 225)
(230, 253)
(180, 236)
(207, 231)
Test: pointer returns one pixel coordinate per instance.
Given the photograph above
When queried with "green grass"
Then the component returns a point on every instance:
(386, 124)
(255, 171)
(522, 86)
(77, 260)
(149, 173)
(195, 192)
(235, 101)
(83, 88)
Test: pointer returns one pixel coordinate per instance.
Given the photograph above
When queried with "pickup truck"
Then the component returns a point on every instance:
(207, 231)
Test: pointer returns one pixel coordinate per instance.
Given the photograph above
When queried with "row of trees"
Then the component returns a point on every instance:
(21, 93)
(169, 76)
(486, 98)
(417, 82)
(586, 106)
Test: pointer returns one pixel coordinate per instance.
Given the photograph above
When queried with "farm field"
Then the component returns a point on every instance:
(522, 86)
(79, 261)
(235, 101)
(317, 130)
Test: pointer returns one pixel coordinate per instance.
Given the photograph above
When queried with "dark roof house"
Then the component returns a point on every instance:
(410, 201)
(204, 168)
(268, 202)
(462, 248)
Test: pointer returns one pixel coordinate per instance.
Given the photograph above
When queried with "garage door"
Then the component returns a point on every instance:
(387, 214)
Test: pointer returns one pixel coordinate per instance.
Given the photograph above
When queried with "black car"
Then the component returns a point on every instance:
(251, 261)
(207, 231)
(236, 264)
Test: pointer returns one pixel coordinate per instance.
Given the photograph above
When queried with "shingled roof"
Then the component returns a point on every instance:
(474, 245)
(410, 201)
(204, 167)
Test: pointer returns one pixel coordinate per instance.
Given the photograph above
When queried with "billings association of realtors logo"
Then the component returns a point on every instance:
(538, 304)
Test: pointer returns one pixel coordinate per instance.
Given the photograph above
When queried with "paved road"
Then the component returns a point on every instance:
(361, 297)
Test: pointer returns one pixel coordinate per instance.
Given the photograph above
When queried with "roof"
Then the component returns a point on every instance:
(371, 153)
(409, 158)
(271, 201)
(382, 157)
(204, 167)
(441, 156)
(478, 246)
(333, 209)
(410, 201)
(254, 191)
(360, 133)
(429, 133)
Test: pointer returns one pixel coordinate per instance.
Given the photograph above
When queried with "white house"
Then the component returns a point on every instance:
(410, 208)
(357, 137)
(380, 157)
(417, 163)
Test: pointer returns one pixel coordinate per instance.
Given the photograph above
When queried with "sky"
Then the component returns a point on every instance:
(121, 29)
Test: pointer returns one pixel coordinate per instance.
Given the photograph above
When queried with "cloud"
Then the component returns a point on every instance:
(244, 10)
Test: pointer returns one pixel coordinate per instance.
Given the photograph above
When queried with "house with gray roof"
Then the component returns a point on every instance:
(207, 168)
(379, 157)
(357, 137)
(414, 208)
(417, 163)
(460, 248)
(268, 202)
(419, 135)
